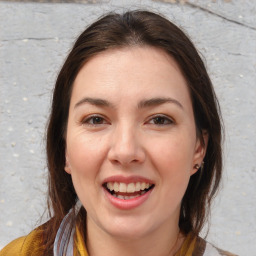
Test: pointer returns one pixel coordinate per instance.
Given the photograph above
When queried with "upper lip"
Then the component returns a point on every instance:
(127, 180)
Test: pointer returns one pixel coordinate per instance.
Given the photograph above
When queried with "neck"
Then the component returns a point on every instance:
(161, 242)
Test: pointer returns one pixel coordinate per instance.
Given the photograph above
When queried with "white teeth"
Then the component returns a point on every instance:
(110, 186)
(137, 186)
(131, 188)
(126, 197)
(122, 187)
(127, 188)
(116, 187)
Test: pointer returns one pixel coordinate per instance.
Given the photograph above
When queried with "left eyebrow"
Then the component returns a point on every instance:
(94, 101)
(158, 101)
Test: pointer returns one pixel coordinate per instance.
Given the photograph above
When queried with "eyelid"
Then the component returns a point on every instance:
(168, 118)
(85, 120)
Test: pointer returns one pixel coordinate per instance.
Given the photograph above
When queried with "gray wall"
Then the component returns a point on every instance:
(34, 40)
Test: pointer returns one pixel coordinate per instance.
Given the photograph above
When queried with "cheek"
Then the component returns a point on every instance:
(85, 155)
(173, 158)
(85, 152)
(175, 152)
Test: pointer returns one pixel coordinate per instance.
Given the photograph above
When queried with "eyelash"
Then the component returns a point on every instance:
(166, 120)
(161, 119)
(93, 118)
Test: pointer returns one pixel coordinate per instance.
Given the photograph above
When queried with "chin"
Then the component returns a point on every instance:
(127, 229)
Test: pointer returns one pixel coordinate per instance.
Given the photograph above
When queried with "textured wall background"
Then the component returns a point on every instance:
(34, 40)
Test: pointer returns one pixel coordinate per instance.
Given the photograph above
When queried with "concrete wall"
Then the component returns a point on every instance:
(34, 40)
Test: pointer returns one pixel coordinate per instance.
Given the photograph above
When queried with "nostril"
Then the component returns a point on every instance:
(126, 158)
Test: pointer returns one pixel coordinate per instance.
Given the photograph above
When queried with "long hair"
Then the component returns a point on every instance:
(136, 28)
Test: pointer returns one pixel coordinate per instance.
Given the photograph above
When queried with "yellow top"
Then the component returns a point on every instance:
(26, 245)
(32, 245)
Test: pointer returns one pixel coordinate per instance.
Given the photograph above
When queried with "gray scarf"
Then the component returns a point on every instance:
(64, 240)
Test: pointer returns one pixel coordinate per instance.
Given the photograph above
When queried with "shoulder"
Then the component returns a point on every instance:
(203, 248)
(13, 248)
(32, 244)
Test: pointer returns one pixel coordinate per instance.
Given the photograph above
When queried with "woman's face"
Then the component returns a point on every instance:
(131, 142)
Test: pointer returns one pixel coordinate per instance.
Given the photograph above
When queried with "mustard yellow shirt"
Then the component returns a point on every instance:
(32, 245)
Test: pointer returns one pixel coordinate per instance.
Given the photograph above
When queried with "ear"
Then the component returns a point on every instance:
(67, 165)
(200, 151)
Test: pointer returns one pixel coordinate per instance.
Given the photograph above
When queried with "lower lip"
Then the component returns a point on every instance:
(127, 204)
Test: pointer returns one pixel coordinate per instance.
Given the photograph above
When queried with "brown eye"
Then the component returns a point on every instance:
(94, 120)
(97, 120)
(160, 120)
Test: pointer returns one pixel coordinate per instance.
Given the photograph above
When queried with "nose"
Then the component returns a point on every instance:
(126, 147)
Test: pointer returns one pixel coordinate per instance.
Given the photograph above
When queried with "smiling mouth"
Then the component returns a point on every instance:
(127, 191)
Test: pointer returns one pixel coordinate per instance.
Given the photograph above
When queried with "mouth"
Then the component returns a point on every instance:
(127, 191)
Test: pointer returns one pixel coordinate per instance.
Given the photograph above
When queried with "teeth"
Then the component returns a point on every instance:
(126, 197)
(137, 187)
(122, 187)
(116, 187)
(130, 188)
(110, 186)
(127, 188)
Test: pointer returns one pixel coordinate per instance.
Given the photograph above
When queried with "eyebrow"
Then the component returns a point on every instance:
(142, 104)
(94, 101)
(158, 101)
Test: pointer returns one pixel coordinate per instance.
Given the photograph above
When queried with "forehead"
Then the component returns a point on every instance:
(134, 56)
(131, 71)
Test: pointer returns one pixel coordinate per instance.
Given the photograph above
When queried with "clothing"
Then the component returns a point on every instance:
(30, 244)
(69, 239)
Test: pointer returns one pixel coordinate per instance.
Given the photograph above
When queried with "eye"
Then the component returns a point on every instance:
(160, 120)
(94, 120)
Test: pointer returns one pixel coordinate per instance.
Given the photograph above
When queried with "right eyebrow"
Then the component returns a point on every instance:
(158, 101)
(94, 101)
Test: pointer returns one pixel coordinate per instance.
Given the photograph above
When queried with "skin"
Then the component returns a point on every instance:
(126, 138)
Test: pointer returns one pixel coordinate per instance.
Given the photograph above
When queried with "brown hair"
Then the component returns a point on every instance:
(136, 28)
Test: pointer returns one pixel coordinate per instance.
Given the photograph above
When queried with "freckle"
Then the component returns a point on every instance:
(25, 99)
(2, 201)
(238, 233)
(25, 40)
(13, 144)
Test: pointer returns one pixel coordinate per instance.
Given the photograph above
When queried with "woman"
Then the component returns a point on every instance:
(133, 145)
